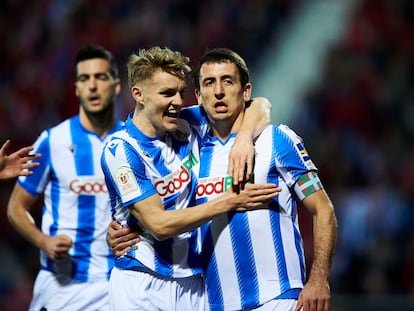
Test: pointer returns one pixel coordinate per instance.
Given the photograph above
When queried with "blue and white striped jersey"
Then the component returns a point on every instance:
(76, 201)
(253, 257)
(136, 167)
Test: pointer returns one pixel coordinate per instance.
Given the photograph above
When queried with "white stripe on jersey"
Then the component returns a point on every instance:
(136, 167)
(76, 201)
(259, 254)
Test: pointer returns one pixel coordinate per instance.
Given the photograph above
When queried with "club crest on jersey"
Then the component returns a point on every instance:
(125, 181)
(123, 178)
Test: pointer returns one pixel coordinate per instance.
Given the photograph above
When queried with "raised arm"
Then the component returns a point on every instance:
(256, 118)
(18, 163)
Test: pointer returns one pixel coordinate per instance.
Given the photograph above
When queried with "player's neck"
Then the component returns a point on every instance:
(98, 123)
(224, 128)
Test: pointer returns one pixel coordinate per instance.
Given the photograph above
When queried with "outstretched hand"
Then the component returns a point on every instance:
(18, 163)
(252, 196)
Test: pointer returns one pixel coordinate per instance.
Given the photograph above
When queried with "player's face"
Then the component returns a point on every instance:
(95, 86)
(162, 97)
(221, 93)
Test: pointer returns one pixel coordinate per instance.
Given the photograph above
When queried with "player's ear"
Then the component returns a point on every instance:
(137, 95)
(198, 97)
(247, 92)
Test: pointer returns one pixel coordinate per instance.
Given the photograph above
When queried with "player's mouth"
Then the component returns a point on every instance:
(172, 113)
(220, 107)
(94, 100)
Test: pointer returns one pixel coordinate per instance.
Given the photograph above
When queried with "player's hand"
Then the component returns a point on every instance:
(18, 163)
(315, 296)
(241, 159)
(120, 239)
(57, 247)
(253, 196)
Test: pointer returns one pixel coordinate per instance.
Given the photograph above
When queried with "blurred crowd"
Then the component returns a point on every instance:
(358, 123)
(359, 126)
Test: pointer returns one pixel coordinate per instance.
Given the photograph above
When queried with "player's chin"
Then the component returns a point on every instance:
(171, 126)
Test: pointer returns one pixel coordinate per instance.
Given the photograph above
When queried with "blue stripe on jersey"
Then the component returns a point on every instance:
(295, 159)
(280, 255)
(244, 257)
(86, 203)
(275, 223)
(284, 144)
(299, 249)
(55, 198)
(215, 292)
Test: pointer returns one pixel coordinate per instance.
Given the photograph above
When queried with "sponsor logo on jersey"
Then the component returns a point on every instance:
(212, 186)
(112, 147)
(176, 181)
(88, 185)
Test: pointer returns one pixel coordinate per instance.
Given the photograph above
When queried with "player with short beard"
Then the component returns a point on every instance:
(75, 261)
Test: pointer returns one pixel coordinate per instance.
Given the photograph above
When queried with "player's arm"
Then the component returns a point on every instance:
(316, 293)
(256, 118)
(18, 212)
(17, 163)
(164, 224)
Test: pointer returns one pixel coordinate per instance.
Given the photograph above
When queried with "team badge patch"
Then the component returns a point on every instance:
(302, 151)
(125, 181)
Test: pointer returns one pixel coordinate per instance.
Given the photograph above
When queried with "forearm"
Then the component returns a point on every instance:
(23, 222)
(325, 232)
(165, 224)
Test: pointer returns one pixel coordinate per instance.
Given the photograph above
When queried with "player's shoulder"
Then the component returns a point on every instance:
(119, 143)
(56, 133)
(285, 131)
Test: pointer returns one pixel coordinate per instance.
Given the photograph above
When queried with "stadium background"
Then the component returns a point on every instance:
(341, 73)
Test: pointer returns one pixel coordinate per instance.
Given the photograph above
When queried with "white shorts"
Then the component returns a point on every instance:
(52, 295)
(135, 290)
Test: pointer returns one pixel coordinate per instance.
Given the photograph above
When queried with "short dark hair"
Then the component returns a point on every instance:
(220, 55)
(96, 51)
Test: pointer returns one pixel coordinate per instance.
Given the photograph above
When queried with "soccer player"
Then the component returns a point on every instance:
(75, 260)
(18, 163)
(151, 169)
(255, 260)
